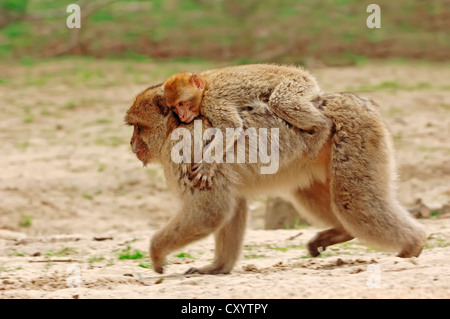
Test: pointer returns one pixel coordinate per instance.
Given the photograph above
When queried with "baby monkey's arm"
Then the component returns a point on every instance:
(222, 115)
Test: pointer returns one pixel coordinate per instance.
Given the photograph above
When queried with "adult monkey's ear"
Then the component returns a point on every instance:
(160, 102)
(197, 81)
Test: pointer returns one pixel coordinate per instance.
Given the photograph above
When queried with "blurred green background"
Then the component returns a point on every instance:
(333, 32)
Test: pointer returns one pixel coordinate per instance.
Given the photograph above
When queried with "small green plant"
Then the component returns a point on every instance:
(145, 264)
(69, 105)
(95, 259)
(88, 196)
(184, 255)
(26, 221)
(128, 253)
(253, 256)
(284, 249)
(63, 252)
(4, 269)
(434, 214)
(22, 145)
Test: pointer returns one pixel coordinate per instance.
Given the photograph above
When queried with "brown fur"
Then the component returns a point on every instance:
(349, 187)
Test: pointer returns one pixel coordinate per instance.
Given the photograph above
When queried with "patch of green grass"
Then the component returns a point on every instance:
(386, 85)
(394, 111)
(436, 242)
(184, 255)
(423, 148)
(4, 269)
(146, 264)
(434, 214)
(103, 121)
(23, 145)
(253, 256)
(298, 224)
(87, 196)
(63, 252)
(16, 30)
(128, 253)
(391, 86)
(28, 119)
(95, 259)
(17, 254)
(26, 221)
(358, 60)
(445, 106)
(136, 57)
(101, 16)
(27, 61)
(69, 105)
(113, 141)
(286, 248)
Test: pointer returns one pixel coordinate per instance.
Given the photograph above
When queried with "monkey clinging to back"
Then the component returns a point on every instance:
(219, 95)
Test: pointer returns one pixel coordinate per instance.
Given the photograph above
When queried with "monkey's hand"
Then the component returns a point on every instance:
(202, 174)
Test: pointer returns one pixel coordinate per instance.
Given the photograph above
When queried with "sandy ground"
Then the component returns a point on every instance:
(76, 205)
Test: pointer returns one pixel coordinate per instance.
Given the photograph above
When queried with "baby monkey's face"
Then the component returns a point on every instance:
(183, 93)
(186, 110)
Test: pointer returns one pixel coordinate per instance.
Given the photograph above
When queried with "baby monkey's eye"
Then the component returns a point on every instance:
(181, 103)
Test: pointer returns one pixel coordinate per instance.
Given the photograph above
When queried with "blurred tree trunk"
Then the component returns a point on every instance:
(281, 214)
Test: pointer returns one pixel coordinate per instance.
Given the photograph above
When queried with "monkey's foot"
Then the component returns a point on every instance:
(327, 238)
(202, 174)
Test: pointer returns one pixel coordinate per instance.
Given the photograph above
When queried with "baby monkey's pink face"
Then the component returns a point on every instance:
(185, 110)
(183, 93)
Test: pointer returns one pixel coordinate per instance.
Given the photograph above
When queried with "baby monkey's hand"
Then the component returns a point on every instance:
(202, 174)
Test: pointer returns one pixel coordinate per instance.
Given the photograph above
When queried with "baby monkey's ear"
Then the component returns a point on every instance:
(160, 103)
(197, 81)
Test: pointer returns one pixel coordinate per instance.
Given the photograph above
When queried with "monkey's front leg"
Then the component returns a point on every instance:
(200, 216)
(228, 239)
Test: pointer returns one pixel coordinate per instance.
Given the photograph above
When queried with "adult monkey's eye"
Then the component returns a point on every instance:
(181, 103)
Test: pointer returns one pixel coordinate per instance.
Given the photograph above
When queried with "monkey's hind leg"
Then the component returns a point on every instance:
(314, 204)
(228, 240)
(327, 238)
(291, 101)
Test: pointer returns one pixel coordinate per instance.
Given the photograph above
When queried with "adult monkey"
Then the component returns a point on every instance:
(348, 187)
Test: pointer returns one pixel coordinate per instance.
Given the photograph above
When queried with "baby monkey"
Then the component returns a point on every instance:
(220, 95)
